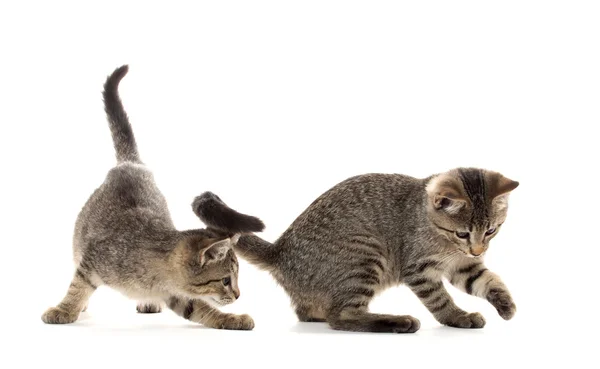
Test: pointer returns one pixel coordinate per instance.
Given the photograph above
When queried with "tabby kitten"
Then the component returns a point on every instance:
(374, 231)
(125, 238)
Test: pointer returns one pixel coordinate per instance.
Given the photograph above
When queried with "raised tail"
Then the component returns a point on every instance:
(217, 215)
(122, 134)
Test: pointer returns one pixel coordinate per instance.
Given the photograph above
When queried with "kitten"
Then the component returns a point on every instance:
(125, 238)
(374, 231)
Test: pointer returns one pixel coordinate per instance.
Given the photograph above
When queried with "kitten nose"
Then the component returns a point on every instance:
(476, 251)
(236, 293)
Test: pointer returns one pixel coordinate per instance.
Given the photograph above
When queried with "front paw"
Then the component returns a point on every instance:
(503, 302)
(236, 322)
(55, 315)
(466, 320)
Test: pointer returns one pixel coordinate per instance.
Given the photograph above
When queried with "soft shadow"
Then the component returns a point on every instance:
(323, 328)
(445, 331)
(302, 327)
(437, 331)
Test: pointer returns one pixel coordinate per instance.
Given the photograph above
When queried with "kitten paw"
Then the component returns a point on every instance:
(235, 322)
(466, 320)
(503, 303)
(149, 308)
(55, 315)
(404, 324)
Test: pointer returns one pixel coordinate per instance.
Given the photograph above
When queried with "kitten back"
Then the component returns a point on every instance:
(216, 214)
(120, 128)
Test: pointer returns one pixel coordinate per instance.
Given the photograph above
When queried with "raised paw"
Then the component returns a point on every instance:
(466, 320)
(503, 303)
(55, 315)
(148, 308)
(397, 324)
(235, 322)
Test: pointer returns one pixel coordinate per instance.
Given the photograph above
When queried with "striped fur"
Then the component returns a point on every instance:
(374, 231)
(125, 239)
(198, 311)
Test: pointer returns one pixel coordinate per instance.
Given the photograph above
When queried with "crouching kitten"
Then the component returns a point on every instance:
(125, 239)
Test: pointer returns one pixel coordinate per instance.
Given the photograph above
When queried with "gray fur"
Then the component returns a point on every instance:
(124, 238)
(374, 231)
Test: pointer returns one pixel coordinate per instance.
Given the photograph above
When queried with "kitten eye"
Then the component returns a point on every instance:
(490, 231)
(462, 235)
(226, 281)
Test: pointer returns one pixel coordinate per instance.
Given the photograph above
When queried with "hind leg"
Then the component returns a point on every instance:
(73, 303)
(308, 313)
(362, 321)
(149, 307)
(349, 312)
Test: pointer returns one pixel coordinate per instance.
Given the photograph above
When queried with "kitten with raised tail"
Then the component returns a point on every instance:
(124, 238)
(374, 231)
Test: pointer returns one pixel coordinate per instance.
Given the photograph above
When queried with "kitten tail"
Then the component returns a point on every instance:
(122, 134)
(216, 214)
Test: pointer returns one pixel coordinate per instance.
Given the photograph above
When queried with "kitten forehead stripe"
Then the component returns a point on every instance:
(473, 181)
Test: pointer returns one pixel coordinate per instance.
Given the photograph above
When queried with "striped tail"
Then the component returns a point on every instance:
(217, 215)
(122, 134)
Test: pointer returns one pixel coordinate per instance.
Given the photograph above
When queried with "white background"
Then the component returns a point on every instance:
(269, 104)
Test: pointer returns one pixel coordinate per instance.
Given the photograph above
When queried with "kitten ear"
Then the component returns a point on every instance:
(445, 194)
(500, 185)
(215, 251)
(448, 203)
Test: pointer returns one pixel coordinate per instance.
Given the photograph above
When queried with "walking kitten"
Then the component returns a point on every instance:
(125, 238)
(374, 231)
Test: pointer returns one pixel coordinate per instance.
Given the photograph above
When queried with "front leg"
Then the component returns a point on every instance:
(437, 300)
(199, 311)
(74, 302)
(475, 279)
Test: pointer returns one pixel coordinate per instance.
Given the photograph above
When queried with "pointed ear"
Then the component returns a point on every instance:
(500, 185)
(215, 252)
(446, 194)
(448, 204)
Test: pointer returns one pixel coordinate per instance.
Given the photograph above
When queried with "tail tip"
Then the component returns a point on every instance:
(215, 213)
(113, 80)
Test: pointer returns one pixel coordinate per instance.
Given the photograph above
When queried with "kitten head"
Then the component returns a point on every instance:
(468, 206)
(208, 268)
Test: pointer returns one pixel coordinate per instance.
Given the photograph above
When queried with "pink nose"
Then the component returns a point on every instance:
(476, 251)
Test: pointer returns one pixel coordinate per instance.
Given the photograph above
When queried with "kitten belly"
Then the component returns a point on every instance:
(141, 294)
